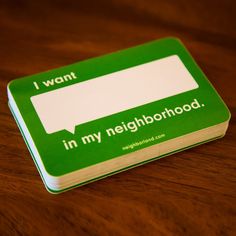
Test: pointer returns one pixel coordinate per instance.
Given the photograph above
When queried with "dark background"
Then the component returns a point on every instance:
(189, 193)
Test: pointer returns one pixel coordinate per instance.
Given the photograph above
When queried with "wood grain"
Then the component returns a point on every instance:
(190, 193)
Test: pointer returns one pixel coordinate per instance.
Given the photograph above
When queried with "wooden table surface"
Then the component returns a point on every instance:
(189, 193)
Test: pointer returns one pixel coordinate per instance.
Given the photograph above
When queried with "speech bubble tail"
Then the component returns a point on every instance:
(71, 129)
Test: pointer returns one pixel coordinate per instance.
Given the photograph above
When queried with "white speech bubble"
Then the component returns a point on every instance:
(79, 103)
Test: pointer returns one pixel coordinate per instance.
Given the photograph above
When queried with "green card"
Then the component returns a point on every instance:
(100, 116)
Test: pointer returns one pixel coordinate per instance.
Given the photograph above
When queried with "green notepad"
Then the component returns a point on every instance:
(104, 115)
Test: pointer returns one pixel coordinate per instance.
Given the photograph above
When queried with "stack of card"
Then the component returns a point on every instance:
(101, 116)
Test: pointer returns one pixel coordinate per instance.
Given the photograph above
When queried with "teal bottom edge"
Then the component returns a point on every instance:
(102, 176)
